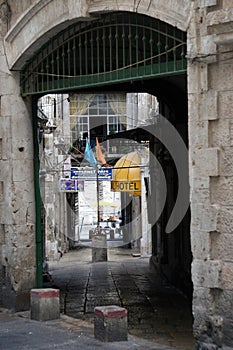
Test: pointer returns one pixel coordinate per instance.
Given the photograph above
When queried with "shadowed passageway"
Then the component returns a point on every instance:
(156, 311)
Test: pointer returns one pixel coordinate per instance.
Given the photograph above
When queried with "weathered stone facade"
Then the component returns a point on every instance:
(25, 26)
(210, 113)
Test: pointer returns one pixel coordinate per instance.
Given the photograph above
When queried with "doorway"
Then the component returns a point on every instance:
(130, 53)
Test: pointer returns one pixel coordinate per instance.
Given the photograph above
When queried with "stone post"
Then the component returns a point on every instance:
(99, 247)
(45, 304)
(110, 323)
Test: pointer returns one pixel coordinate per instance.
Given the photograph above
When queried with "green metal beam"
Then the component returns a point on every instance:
(103, 79)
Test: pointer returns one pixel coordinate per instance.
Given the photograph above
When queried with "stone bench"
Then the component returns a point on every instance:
(110, 323)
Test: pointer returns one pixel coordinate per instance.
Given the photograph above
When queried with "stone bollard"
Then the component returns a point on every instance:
(99, 248)
(45, 304)
(110, 323)
(91, 234)
(111, 234)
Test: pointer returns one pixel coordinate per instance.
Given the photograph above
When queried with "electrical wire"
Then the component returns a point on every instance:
(200, 57)
(111, 71)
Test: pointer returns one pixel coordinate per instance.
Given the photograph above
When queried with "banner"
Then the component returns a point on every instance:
(99, 154)
(89, 155)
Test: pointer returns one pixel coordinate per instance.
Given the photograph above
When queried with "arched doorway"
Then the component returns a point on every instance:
(133, 53)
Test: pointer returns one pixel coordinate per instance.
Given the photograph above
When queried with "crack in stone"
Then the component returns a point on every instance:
(86, 292)
(65, 297)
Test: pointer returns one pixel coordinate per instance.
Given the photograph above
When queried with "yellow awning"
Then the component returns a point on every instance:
(127, 174)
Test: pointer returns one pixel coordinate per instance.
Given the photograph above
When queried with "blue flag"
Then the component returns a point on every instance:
(89, 155)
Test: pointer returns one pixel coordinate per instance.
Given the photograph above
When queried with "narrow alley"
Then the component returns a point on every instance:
(156, 311)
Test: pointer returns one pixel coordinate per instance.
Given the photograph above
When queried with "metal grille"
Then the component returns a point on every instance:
(116, 47)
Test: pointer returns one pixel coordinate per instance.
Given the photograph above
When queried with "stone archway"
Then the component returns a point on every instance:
(21, 46)
(52, 16)
(208, 24)
(115, 48)
(22, 43)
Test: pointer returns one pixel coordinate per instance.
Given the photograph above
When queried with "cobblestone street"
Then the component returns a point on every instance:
(156, 311)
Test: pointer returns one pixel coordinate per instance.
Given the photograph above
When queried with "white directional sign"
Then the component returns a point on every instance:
(78, 173)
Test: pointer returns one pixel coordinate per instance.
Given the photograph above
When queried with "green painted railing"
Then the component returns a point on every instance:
(113, 48)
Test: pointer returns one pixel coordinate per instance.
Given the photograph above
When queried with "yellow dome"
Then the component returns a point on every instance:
(127, 174)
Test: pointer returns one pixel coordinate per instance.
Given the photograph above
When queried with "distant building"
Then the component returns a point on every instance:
(64, 123)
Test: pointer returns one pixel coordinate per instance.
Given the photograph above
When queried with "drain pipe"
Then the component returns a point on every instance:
(39, 242)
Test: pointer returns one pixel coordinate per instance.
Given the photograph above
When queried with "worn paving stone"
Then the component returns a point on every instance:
(156, 311)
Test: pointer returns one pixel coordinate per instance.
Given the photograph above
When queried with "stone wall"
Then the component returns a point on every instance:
(17, 207)
(211, 173)
(25, 26)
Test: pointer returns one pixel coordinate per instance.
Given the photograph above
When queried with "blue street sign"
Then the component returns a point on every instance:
(89, 174)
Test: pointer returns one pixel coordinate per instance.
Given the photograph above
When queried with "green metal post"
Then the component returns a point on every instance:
(39, 241)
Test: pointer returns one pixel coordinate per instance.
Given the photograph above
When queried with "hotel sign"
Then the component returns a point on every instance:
(126, 186)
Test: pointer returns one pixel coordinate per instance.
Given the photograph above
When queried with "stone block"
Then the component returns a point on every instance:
(207, 273)
(220, 133)
(2, 234)
(5, 135)
(207, 3)
(91, 234)
(2, 191)
(226, 166)
(204, 217)
(45, 304)
(23, 171)
(210, 105)
(202, 298)
(21, 192)
(111, 234)
(99, 248)
(224, 222)
(208, 219)
(221, 246)
(204, 81)
(198, 135)
(22, 148)
(220, 78)
(207, 162)
(220, 193)
(110, 323)
(227, 273)
(6, 215)
(200, 192)
(225, 101)
(201, 245)
(219, 17)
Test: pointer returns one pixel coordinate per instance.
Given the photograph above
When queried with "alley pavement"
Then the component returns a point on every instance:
(159, 317)
(156, 310)
(18, 332)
